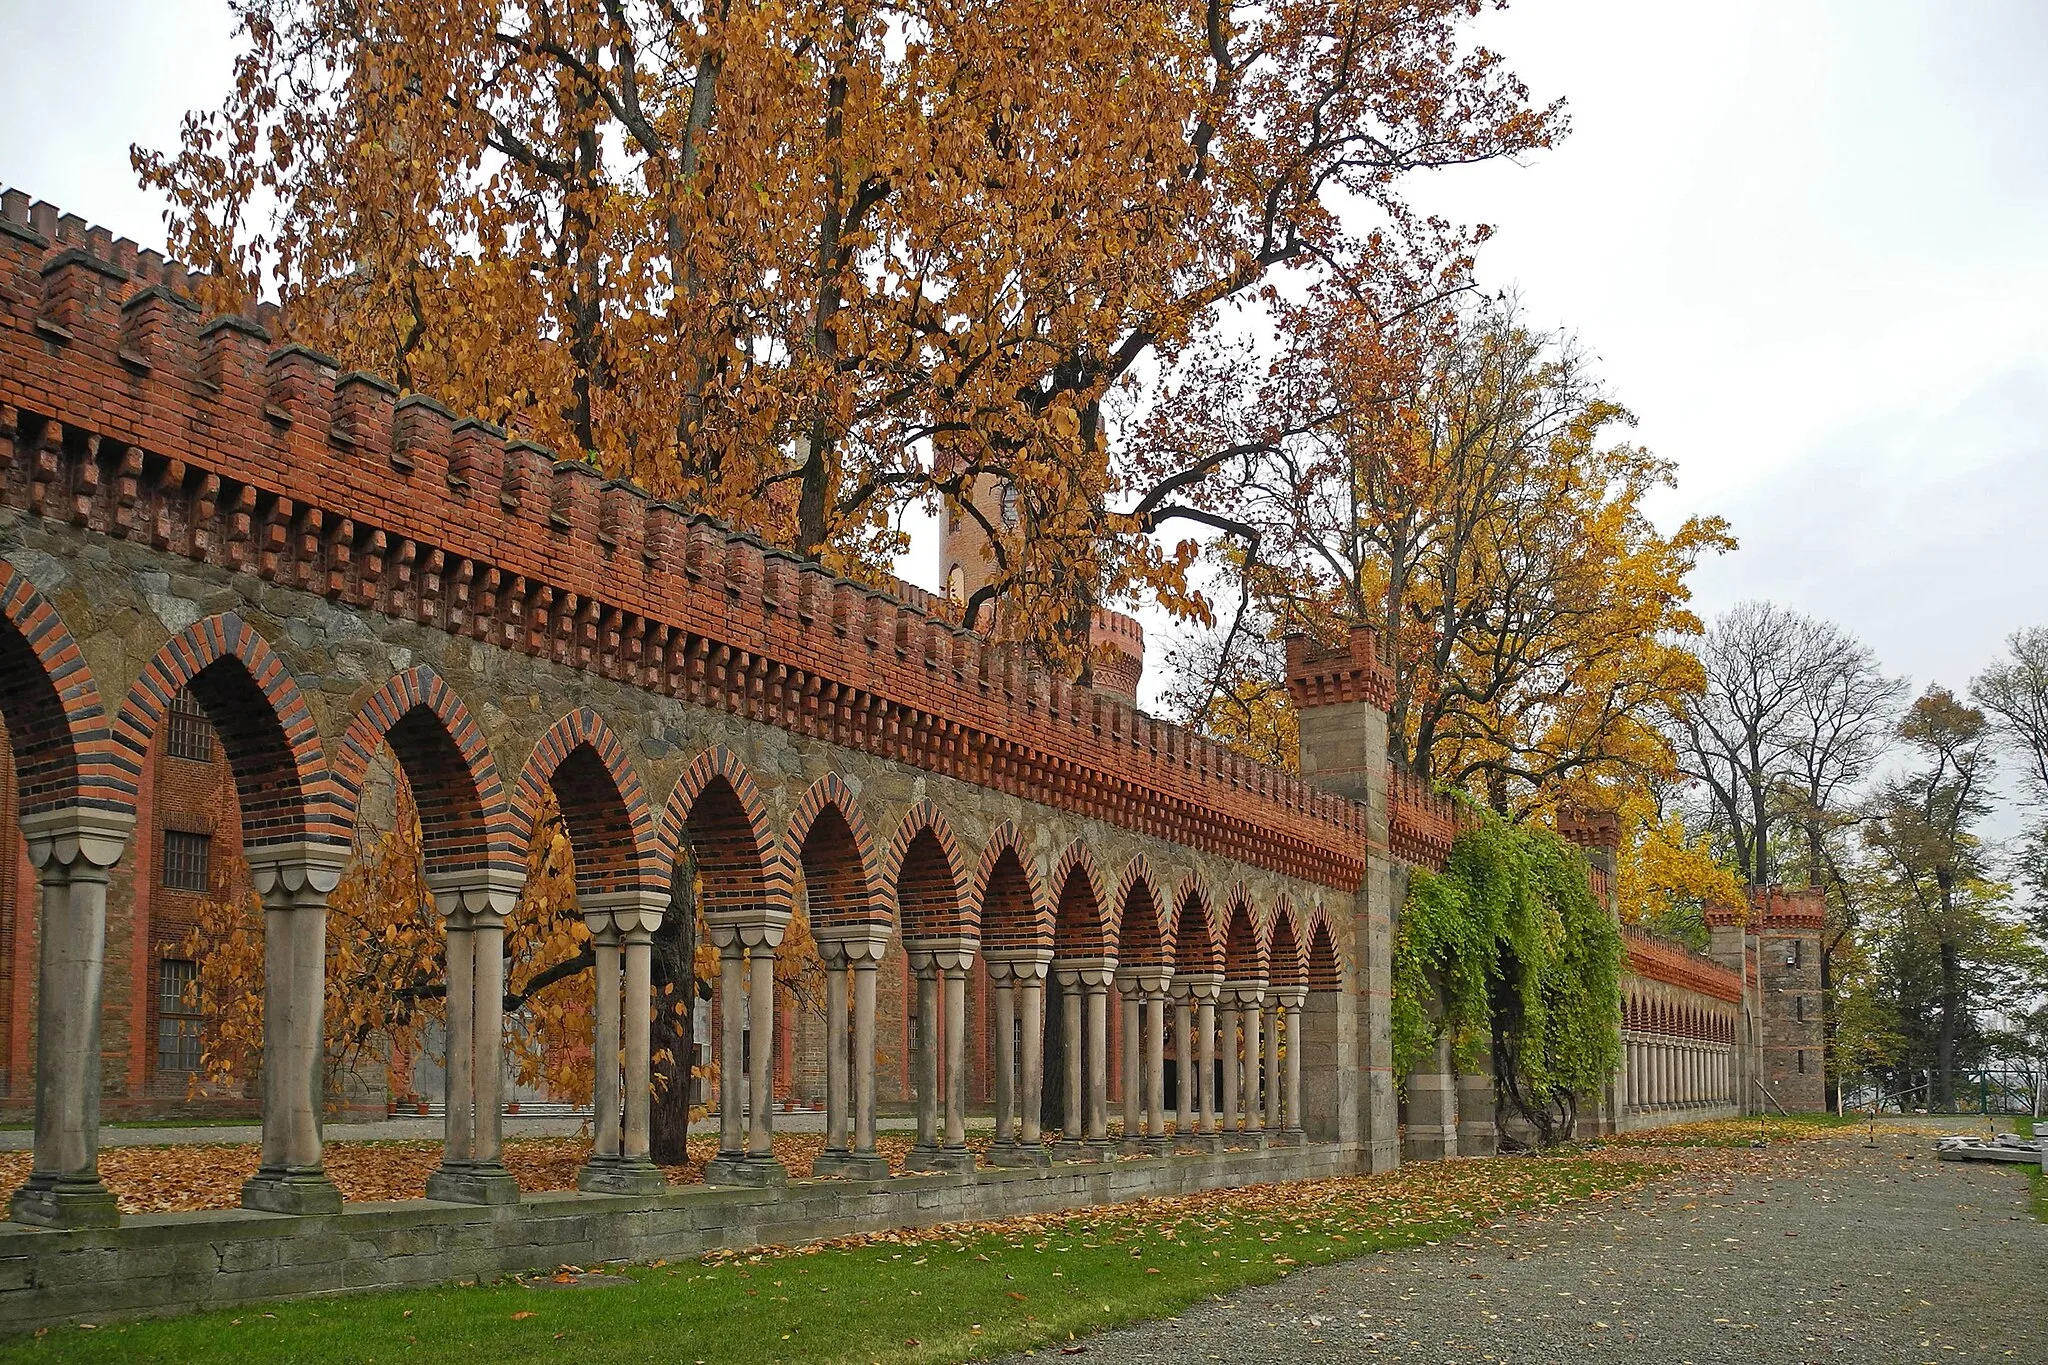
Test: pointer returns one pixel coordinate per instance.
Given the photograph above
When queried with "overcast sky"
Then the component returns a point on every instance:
(1806, 240)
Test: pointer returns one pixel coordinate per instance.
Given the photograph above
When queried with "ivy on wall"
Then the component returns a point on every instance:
(1508, 948)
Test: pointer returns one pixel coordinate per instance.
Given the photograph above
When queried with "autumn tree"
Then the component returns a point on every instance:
(1459, 493)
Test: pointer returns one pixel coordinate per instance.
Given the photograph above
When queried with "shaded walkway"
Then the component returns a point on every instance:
(1816, 1251)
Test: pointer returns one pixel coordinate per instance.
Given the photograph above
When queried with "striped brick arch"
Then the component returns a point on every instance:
(63, 753)
(1083, 923)
(1197, 938)
(1244, 947)
(830, 842)
(1010, 907)
(927, 878)
(1325, 970)
(1141, 917)
(604, 807)
(1286, 959)
(466, 822)
(715, 815)
(255, 706)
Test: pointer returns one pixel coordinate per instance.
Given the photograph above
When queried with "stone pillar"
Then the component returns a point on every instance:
(473, 903)
(1290, 1001)
(1155, 1064)
(941, 967)
(622, 924)
(1130, 1000)
(73, 851)
(858, 949)
(604, 1054)
(1071, 1146)
(746, 942)
(838, 1052)
(1185, 1059)
(1432, 1119)
(1017, 976)
(1227, 1115)
(1253, 1013)
(1096, 1025)
(294, 881)
(1273, 1087)
(1203, 988)
(1478, 1132)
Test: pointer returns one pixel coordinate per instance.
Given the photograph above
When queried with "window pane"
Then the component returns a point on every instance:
(187, 860)
(187, 734)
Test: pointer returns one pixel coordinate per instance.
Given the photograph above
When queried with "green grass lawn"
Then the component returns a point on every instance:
(983, 1292)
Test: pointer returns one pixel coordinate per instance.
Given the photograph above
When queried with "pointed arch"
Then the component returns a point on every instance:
(465, 819)
(1197, 936)
(1325, 968)
(1244, 947)
(604, 807)
(926, 876)
(255, 706)
(62, 742)
(1009, 902)
(716, 813)
(1140, 917)
(830, 842)
(1082, 926)
(1286, 958)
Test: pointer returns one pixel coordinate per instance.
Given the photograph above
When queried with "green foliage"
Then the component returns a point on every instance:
(1509, 942)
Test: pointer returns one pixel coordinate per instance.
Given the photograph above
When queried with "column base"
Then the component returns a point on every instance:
(476, 1182)
(1283, 1137)
(1019, 1156)
(955, 1160)
(55, 1201)
(1070, 1150)
(1104, 1148)
(620, 1175)
(302, 1191)
(850, 1166)
(760, 1172)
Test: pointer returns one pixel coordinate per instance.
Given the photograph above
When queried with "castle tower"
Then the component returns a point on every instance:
(1117, 640)
(1787, 927)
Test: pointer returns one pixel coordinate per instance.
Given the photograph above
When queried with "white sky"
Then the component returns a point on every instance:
(1805, 237)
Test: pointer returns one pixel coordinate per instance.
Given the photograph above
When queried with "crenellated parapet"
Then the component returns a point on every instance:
(126, 411)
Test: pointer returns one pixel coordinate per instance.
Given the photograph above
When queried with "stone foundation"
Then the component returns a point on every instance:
(160, 1264)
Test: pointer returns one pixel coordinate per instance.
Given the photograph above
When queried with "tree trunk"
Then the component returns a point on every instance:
(675, 1000)
(1951, 1019)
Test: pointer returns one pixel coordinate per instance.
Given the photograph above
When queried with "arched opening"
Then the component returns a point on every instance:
(1074, 1097)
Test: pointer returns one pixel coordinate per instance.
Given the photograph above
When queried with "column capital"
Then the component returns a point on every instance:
(1096, 973)
(1290, 997)
(638, 911)
(748, 928)
(300, 873)
(76, 841)
(1147, 979)
(484, 895)
(941, 954)
(1251, 991)
(1017, 964)
(1197, 986)
(851, 944)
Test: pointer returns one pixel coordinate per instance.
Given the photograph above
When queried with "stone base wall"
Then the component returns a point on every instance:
(1637, 1120)
(160, 1264)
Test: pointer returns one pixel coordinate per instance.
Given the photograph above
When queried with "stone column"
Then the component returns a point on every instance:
(1273, 1087)
(1185, 1060)
(1204, 988)
(1070, 1147)
(858, 948)
(1233, 1071)
(924, 1061)
(604, 1054)
(746, 943)
(838, 1053)
(73, 851)
(954, 965)
(622, 923)
(1155, 1063)
(294, 881)
(1253, 1013)
(1096, 984)
(1130, 1003)
(1017, 976)
(1289, 1001)
(473, 903)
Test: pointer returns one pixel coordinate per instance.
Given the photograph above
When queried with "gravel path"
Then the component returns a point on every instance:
(1819, 1251)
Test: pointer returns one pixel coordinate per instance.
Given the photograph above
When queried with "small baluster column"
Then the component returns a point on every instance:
(1204, 989)
(1185, 1062)
(940, 967)
(1130, 1002)
(746, 942)
(1017, 979)
(1073, 1068)
(1095, 982)
(622, 926)
(852, 953)
(1291, 1000)
(473, 904)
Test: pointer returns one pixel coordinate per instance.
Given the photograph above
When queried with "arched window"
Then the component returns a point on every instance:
(956, 587)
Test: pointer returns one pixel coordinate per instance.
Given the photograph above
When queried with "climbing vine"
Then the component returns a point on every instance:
(1508, 947)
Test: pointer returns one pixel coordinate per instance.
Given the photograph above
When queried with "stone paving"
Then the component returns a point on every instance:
(1816, 1251)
